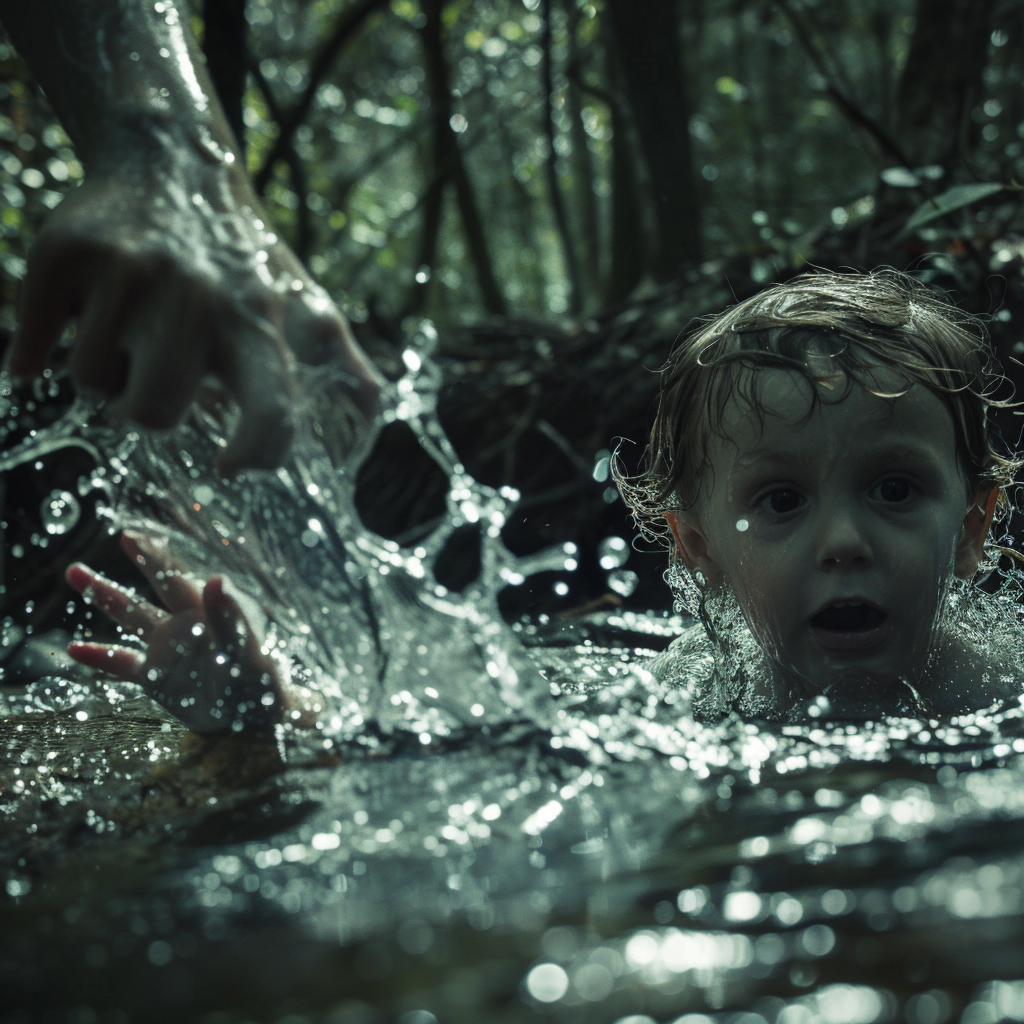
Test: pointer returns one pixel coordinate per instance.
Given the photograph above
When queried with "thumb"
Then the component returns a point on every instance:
(229, 630)
(258, 372)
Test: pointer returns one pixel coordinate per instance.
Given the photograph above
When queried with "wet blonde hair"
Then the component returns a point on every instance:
(856, 322)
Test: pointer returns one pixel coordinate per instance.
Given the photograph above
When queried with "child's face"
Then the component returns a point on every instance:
(838, 531)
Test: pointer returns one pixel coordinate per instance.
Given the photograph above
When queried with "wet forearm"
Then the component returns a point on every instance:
(111, 68)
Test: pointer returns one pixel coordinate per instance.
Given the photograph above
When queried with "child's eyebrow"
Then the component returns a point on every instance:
(775, 456)
(899, 452)
(906, 452)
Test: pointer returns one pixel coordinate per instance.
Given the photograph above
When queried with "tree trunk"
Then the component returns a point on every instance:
(651, 58)
(430, 232)
(225, 38)
(551, 163)
(942, 78)
(588, 214)
(629, 239)
(449, 161)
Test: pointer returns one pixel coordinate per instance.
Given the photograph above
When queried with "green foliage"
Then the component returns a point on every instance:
(955, 198)
(37, 166)
(791, 105)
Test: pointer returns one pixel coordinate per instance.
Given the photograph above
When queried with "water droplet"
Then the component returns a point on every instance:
(203, 494)
(612, 552)
(742, 525)
(623, 582)
(60, 512)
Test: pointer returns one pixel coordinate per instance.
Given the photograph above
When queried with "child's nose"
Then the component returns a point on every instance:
(842, 540)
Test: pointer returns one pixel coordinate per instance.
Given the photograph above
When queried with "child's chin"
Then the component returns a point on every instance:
(875, 683)
(860, 694)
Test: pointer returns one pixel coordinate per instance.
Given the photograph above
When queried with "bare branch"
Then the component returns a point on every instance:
(834, 89)
(289, 122)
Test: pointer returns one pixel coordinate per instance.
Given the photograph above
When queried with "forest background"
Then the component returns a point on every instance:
(561, 186)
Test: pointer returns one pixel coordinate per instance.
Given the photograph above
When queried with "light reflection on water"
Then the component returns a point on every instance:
(596, 856)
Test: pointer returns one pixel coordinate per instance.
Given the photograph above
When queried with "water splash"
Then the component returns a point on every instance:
(365, 618)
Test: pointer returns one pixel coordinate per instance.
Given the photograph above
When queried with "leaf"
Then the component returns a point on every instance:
(900, 177)
(952, 199)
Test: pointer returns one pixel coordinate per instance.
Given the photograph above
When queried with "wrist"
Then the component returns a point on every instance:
(154, 137)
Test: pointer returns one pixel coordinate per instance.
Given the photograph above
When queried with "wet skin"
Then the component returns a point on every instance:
(163, 257)
(860, 502)
(204, 657)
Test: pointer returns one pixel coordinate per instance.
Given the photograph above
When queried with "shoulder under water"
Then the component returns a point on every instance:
(548, 780)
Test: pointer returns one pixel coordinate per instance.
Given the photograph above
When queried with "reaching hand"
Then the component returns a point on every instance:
(164, 260)
(205, 661)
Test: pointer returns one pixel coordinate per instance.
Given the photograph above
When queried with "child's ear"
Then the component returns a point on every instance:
(692, 547)
(971, 546)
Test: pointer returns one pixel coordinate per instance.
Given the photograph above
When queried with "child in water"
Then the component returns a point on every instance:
(822, 467)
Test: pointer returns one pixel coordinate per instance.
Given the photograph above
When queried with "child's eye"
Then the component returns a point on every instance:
(781, 501)
(895, 490)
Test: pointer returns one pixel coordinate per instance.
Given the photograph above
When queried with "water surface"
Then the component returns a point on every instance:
(497, 823)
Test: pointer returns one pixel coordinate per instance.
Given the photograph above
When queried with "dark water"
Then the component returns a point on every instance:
(532, 828)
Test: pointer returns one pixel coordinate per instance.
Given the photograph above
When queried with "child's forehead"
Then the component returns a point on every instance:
(780, 402)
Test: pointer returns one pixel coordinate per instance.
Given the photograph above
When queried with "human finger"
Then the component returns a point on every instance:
(235, 624)
(318, 333)
(367, 379)
(118, 603)
(99, 362)
(262, 678)
(55, 281)
(258, 372)
(167, 344)
(122, 662)
(176, 588)
(228, 626)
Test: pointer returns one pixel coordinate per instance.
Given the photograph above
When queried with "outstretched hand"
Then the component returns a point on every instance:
(205, 660)
(171, 275)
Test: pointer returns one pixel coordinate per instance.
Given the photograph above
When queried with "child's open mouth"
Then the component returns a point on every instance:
(853, 626)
